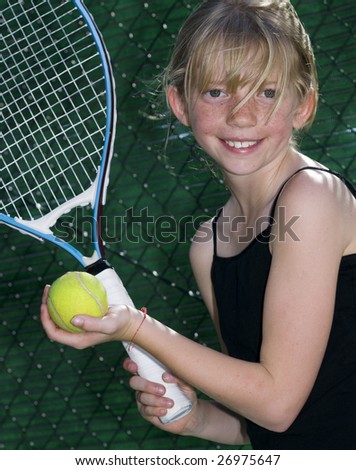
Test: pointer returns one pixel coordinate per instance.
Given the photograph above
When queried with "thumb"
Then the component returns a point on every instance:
(112, 323)
(91, 324)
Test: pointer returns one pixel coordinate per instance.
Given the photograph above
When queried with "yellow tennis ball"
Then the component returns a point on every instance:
(76, 293)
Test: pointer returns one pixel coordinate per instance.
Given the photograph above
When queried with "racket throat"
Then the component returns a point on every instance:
(97, 266)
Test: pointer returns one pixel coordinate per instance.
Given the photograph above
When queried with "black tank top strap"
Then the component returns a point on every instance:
(215, 220)
(327, 170)
(348, 184)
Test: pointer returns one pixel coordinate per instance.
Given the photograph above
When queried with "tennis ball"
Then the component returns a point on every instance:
(76, 293)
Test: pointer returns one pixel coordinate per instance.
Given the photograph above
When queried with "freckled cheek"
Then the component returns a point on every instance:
(205, 117)
(281, 124)
(203, 127)
(205, 135)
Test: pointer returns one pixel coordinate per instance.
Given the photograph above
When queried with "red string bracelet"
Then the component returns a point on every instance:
(131, 343)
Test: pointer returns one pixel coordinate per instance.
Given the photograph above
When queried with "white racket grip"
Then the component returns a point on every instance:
(117, 294)
(148, 367)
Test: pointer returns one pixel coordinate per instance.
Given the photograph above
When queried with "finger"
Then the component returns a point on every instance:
(52, 330)
(152, 406)
(105, 325)
(154, 401)
(114, 320)
(140, 384)
(168, 377)
(45, 293)
(150, 412)
(130, 366)
(187, 389)
(46, 320)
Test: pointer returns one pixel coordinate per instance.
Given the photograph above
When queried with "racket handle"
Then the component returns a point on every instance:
(117, 294)
(148, 367)
(151, 369)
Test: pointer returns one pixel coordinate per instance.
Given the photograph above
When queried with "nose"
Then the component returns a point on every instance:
(244, 115)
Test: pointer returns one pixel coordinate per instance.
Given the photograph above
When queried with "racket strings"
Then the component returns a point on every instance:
(55, 118)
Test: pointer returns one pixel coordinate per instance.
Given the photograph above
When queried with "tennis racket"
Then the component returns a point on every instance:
(59, 120)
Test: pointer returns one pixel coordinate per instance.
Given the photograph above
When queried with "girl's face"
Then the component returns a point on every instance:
(242, 142)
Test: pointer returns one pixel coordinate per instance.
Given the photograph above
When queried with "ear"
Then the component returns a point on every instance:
(177, 105)
(304, 110)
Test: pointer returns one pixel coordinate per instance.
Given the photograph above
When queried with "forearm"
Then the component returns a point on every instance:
(241, 386)
(218, 424)
(257, 391)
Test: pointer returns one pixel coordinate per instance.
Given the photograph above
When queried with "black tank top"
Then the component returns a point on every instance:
(328, 418)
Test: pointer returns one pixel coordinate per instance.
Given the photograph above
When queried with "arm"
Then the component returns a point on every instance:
(209, 420)
(201, 258)
(297, 319)
(217, 422)
(297, 315)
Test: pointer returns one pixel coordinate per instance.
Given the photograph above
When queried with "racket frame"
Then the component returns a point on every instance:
(95, 195)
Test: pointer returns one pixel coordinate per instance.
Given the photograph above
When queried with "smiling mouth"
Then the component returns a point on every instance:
(241, 145)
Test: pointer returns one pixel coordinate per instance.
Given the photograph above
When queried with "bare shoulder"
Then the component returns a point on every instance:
(201, 259)
(320, 200)
(311, 182)
(202, 246)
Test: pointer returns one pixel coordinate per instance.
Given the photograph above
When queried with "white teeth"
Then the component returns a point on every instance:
(240, 145)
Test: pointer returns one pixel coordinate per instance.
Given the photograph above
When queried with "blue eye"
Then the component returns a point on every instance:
(215, 93)
(269, 93)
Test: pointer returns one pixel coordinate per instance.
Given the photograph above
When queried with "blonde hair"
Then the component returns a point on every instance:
(253, 38)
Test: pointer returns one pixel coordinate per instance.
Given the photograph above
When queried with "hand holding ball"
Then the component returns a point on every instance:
(76, 293)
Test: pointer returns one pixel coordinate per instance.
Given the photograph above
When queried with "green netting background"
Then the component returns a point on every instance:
(52, 397)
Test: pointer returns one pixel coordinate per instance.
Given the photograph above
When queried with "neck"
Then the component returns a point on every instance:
(253, 194)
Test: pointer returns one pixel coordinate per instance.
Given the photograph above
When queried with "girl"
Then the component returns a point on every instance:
(276, 267)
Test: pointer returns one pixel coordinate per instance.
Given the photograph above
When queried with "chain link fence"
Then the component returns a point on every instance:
(53, 397)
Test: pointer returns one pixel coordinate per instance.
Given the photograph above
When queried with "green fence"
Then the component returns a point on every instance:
(53, 397)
